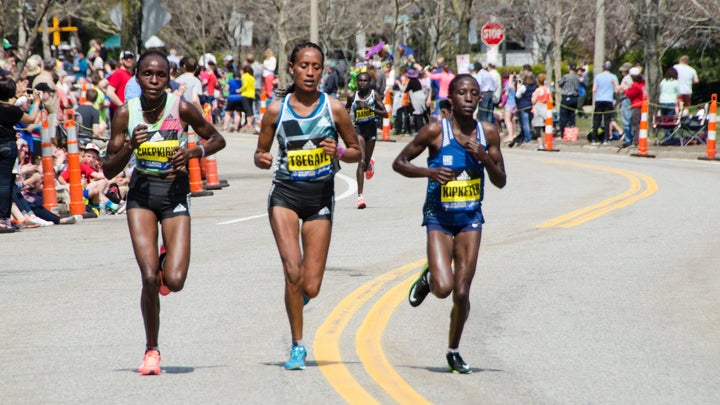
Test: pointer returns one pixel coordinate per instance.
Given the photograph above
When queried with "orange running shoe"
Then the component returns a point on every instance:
(151, 363)
(164, 290)
(370, 171)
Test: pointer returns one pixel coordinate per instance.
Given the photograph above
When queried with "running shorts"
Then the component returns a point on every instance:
(166, 197)
(309, 200)
(433, 224)
(368, 132)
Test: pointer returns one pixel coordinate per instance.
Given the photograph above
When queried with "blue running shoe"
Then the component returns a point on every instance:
(297, 358)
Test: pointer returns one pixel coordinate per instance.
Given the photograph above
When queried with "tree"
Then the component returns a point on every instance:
(131, 23)
(28, 18)
(664, 24)
(463, 16)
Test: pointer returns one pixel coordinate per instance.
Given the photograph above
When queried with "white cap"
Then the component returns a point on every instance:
(634, 71)
(92, 146)
(228, 58)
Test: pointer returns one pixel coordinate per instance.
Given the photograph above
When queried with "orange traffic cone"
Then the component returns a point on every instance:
(712, 130)
(48, 167)
(212, 182)
(83, 92)
(196, 186)
(77, 206)
(549, 128)
(207, 114)
(263, 101)
(642, 135)
(386, 120)
(208, 164)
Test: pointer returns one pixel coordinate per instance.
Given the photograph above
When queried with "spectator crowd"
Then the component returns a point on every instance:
(94, 83)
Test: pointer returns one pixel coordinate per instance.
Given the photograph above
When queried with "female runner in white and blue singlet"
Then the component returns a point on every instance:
(307, 124)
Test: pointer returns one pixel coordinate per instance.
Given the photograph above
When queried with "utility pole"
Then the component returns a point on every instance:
(314, 21)
(599, 37)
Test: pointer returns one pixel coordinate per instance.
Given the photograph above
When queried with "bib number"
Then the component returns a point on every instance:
(461, 195)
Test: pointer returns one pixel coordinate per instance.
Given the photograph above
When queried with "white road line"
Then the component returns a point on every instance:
(352, 188)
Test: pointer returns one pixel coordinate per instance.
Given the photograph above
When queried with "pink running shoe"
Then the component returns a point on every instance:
(151, 363)
(361, 203)
(164, 290)
(370, 172)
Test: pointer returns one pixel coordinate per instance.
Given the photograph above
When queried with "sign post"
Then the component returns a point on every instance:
(56, 29)
(492, 35)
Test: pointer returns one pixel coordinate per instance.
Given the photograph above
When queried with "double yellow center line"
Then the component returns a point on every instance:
(641, 186)
(368, 339)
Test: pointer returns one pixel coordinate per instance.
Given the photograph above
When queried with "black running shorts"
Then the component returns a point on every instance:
(309, 200)
(367, 130)
(166, 197)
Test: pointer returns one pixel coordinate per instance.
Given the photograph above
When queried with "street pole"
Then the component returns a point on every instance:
(314, 21)
(599, 37)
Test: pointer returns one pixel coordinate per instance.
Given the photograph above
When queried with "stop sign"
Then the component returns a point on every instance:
(492, 33)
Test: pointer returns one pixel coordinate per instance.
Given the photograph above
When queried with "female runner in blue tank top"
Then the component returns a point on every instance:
(152, 128)
(306, 124)
(461, 150)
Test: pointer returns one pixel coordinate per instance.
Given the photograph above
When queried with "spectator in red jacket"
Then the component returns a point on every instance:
(636, 93)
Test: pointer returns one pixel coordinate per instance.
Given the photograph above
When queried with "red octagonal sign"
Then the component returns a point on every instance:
(492, 33)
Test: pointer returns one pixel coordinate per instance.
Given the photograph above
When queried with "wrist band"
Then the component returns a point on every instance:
(202, 150)
(340, 152)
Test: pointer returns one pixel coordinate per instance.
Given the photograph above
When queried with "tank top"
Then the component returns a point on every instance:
(363, 116)
(458, 201)
(543, 96)
(164, 134)
(300, 156)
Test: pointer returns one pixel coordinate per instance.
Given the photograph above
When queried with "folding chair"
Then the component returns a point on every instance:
(669, 126)
(696, 126)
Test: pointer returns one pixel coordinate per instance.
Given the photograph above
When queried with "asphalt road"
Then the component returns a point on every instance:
(597, 283)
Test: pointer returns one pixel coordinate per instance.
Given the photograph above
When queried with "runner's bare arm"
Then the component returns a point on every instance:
(263, 158)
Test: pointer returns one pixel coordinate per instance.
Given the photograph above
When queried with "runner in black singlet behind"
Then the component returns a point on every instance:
(364, 106)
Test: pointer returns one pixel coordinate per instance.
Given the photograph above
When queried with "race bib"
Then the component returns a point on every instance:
(307, 164)
(364, 114)
(154, 155)
(461, 195)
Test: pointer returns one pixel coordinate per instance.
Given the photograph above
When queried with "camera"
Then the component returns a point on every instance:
(29, 92)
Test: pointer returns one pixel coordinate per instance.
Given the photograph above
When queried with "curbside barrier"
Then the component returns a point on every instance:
(77, 206)
(642, 136)
(48, 167)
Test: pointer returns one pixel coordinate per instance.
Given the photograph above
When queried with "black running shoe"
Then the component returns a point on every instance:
(420, 288)
(456, 364)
